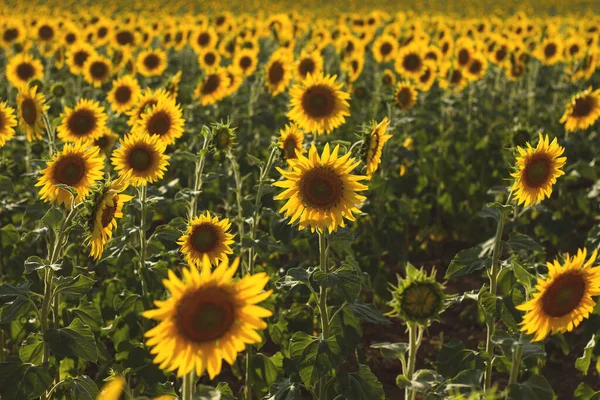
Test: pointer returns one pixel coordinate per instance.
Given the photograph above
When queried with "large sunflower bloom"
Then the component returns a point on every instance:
(208, 318)
(537, 170)
(207, 240)
(78, 166)
(7, 123)
(583, 110)
(163, 120)
(320, 190)
(85, 121)
(318, 105)
(23, 68)
(376, 139)
(143, 156)
(564, 299)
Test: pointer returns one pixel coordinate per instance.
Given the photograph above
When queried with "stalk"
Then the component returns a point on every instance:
(188, 386)
(516, 364)
(143, 196)
(238, 196)
(323, 306)
(414, 340)
(198, 178)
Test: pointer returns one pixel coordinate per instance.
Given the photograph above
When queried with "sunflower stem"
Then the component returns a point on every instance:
(198, 178)
(51, 135)
(188, 386)
(516, 363)
(143, 196)
(323, 306)
(415, 336)
(238, 196)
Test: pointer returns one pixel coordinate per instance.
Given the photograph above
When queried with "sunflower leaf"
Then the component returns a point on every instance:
(24, 381)
(520, 242)
(314, 356)
(583, 363)
(359, 386)
(75, 341)
(466, 262)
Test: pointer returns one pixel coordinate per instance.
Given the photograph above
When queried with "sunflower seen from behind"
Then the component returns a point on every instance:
(563, 299)
(78, 165)
(376, 137)
(141, 155)
(164, 120)
(124, 93)
(85, 121)
(321, 190)
(7, 123)
(209, 317)
(206, 241)
(22, 68)
(537, 170)
(582, 111)
(31, 107)
(318, 104)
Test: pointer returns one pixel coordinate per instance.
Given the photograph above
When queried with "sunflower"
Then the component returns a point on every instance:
(213, 87)
(7, 123)
(23, 68)
(353, 66)
(278, 72)
(564, 299)
(203, 38)
(453, 78)
(124, 38)
(409, 61)
(549, 51)
(124, 93)
(388, 78)
(163, 120)
(209, 58)
(428, 76)
(320, 190)
(78, 55)
(151, 62)
(235, 79)
(30, 110)
(12, 32)
(172, 85)
(97, 70)
(143, 155)
(146, 99)
(291, 141)
(583, 110)
(574, 47)
(405, 96)
(70, 34)
(208, 318)
(375, 139)
(537, 171)
(85, 121)
(477, 67)
(246, 60)
(45, 32)
(108, 207)
(106, 141)
(384, 48)
(317, 104)
(206, 241)
(78, 166)
(309, 63)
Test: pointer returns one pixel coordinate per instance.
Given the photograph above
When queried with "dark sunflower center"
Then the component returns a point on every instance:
(475, 67)
(321, 187)
(550, 50)
(354, 65)
(223, 139)
(245, 62)
(159, 123)
(210, 58)
(220, 20)
(2, 122)
(205, 315)
(46, 32)
(204, 238)
(319, 101)
(289, 146)
(445, 47)
(82, 122)
(108, 213)
(463, 56)
(102, 32)
(412, 62)
(140, 158)
(583, 106)
(80, 57)
(203, 39)
(306, 66)
(574, 49)
(537, 171)
(420, 300)
(424, 78)
(276, 73)
(99, 70)
(25, 71)
(151, 61)
(349, 47)
(29, 111)
(563, 295)
(70, 38)
(69, 170)
(178, 37)
(387, 79)
(102, 142)
(385, 49)
(211, 85)
(10, 35)
(403, 97)
(501, 54)
(123, 94)
(124, 38)
(456, 77)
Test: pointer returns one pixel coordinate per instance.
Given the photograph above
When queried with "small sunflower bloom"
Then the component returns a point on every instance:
(583, 110)
(206, 241)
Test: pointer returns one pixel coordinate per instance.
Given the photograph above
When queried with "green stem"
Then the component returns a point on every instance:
(516, 364)
(323, 306)
(414, 339)
(238, 196)
(188, 386)
(51, 135)
(198, 178)
(143, 196)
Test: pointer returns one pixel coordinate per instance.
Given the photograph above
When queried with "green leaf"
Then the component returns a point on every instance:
(536, 387)
(423, 380)
(584, 392)
(583, 363)
(14, 309)
(204, 392)
(24, 381)
(294, 277)
(395, 351)
(89, 313)
(466, 262)
(277, 331)
(490, 212)
(314, 357)
(9, 235)
(523, 276)
(53, 219)
(8, 292)
(224, 388)
(345, 281)
(67, 188)
(284, 389)
(34, 263)
(81, 387)
(75, 341)
(454, 358)
(520, 242)
(507, 343)
(361, 386)
(73, 286)
(32, 349)
(266, 370)
(368, 312)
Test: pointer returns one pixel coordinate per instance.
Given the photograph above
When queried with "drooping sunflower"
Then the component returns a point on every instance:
(405, 96)
(78, 55)
(384, 48)
(583, 110)
(206, 241)
(321, 190)
(353, 66)
(246, 60)
(124, 93)
(537, 170)
(278, 72)
(453, 78)
(318, 105)
(209, 317)
(97, 70)
(143, 156)
(7, 123)
(107, 208)
(236, 79)
(164, 120)
(22, 68)
(564, 299)
(78, 165)
(209, 58)
(291, 141)
(213, 87)
(309, 63)
(151, 62)
(375, 138)
(85, 121)
(409, 61)
(30, 110)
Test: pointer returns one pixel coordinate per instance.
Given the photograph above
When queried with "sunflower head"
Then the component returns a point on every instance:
(58, 90)
(388, 78)
(206, 240)
(124, 93)
(106, 142)
(213, 87)
(291, 141)
(564, 298)
(22, 68)
(537, 170)
(97, 70)
(375, 137)
(418, 298)
(143, 156)
(223, 137)
(31, 108)
(583, 110)
(7, 123)
(164, 120)
(85, 121)
(405, 96)
(152, 62)
(172, 85)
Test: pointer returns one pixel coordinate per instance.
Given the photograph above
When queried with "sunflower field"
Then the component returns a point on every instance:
(276, 200)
